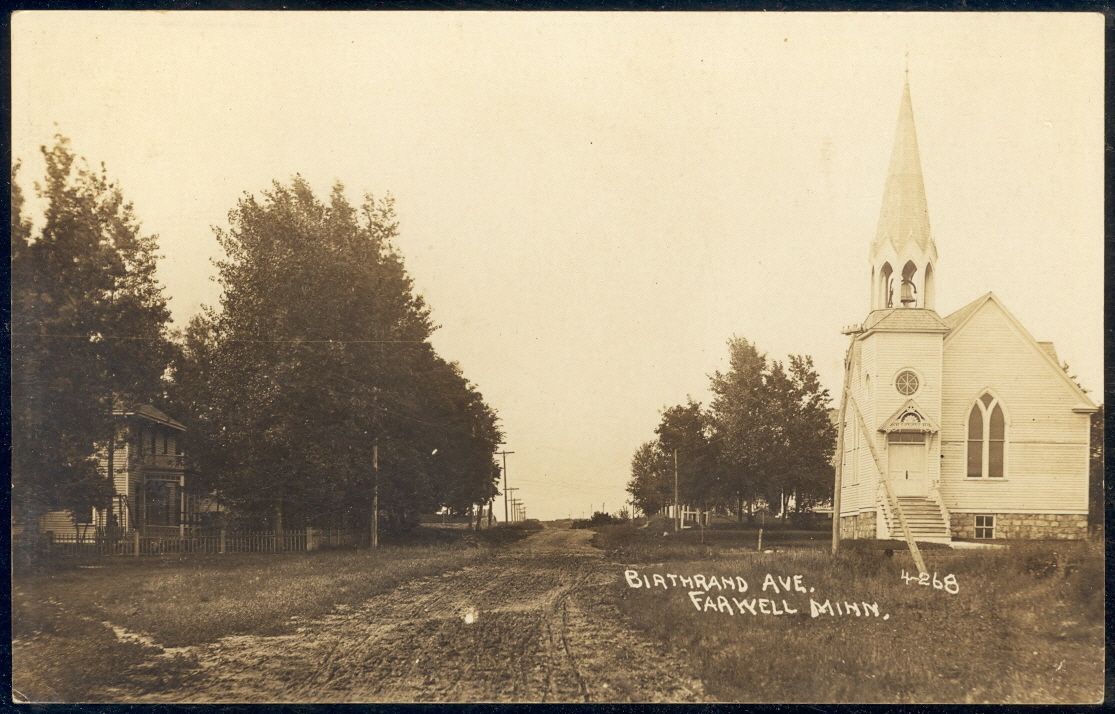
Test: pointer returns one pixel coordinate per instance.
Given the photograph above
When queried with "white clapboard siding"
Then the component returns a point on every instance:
(857, 476)
(120, 473)
(920, 352)
(59, 522)
(881, 356)
(1047, 443)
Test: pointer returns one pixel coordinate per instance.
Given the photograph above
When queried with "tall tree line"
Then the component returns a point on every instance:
(316, 361)
(766, 435)
(88, 331)
(318, 367)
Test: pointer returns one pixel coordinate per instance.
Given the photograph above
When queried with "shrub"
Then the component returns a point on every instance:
(599, 518)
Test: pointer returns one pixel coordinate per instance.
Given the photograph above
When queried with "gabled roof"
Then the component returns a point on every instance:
(1049, 349)
(958, 320)
(909, 417)
(904, 216)
(146, 411)
(905, 319)
(959, 317)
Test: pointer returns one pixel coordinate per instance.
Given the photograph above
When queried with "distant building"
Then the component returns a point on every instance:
(963, 425)
(152, 492)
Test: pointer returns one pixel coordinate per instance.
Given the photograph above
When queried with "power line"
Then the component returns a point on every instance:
(294, 341)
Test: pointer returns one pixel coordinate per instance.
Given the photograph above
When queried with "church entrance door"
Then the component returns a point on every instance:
(906, 466)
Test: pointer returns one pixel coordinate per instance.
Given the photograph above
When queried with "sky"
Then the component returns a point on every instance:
(594, 203)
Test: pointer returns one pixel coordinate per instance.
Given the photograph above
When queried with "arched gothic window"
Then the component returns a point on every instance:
(929, 295)
(987, 436)
(886, 287)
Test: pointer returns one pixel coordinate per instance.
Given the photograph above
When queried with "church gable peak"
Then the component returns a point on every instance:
(909, 417)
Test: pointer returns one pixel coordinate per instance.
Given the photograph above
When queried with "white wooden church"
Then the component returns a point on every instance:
(961, 425)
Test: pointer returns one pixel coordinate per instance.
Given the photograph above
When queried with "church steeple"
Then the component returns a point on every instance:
(903, 254)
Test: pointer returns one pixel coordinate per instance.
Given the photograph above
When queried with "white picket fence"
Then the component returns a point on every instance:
(135, 543)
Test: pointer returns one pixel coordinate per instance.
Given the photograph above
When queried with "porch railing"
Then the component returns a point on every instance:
(163, 461)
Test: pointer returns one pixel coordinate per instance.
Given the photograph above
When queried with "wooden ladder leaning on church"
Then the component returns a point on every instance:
(892, 502)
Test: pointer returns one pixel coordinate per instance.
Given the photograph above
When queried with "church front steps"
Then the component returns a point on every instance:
(924, 519)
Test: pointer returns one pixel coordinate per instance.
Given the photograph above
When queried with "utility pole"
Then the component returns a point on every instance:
(375, 493)
(509, 518)
(677, 508)
(504, 455)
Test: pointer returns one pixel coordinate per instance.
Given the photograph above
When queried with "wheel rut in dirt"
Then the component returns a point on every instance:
(534, 624)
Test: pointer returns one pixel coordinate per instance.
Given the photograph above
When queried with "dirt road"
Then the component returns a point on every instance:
(533, 625)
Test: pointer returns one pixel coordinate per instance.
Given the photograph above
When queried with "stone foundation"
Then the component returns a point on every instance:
(861, 525)
(1023, 525)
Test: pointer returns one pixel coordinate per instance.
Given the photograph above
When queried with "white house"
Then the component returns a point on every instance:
(962, 425)
(152, 489)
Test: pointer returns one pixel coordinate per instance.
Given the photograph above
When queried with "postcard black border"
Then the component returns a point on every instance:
(1105, 8)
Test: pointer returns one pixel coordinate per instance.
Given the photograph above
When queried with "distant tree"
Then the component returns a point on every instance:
(651, 482)
(810, 436)
(685, 431)
(771, 424)
(738, 420)
(89, 332)
(778, 406)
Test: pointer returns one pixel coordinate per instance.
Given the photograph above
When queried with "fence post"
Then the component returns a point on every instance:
(135, 543)
(221, 542)
(311, 539)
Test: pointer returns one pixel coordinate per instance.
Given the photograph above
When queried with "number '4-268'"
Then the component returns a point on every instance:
(948, 583)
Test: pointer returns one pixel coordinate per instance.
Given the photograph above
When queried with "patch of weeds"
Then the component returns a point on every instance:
(1008, 635)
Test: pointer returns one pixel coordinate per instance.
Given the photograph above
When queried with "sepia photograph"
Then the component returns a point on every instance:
(536, 357)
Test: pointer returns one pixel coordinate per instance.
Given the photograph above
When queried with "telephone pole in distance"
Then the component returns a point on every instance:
(504, 454)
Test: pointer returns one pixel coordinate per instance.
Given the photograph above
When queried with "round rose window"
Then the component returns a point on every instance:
(906, 382)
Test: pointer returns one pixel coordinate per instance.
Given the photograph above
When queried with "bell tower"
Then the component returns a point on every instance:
(903, 255)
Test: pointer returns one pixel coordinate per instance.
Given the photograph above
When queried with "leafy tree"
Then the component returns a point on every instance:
(802, 434)
(685, 430)
(651, 482)
(737, 417)
(318, 360)
(89, 332)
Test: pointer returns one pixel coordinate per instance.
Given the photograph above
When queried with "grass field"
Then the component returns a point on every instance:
(63, 650)
(1025, 625)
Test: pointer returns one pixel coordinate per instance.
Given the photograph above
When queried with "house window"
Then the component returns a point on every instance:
(153, 442)
(166, 443)
(162, 503)
(987, 436)
(985, 526)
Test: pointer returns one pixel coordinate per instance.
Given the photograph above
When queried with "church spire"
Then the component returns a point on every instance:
(904, 215)
(903, 245)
